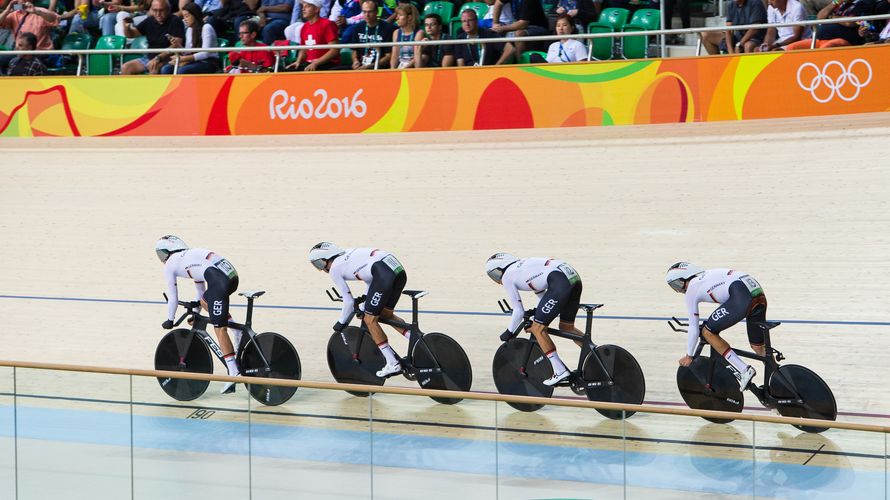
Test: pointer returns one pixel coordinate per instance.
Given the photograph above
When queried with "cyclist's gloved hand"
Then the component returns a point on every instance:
(167, 324)
(338, 327)
(507, 335)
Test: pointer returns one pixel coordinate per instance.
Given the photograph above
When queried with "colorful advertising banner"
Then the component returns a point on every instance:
(771, 85)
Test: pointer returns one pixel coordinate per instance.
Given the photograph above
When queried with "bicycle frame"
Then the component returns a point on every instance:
(770, 364)
(587, 345)
(413, 327)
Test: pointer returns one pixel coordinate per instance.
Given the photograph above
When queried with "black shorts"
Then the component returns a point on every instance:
(740, 305)
(385, 288)
(219, 287)
(561, 297)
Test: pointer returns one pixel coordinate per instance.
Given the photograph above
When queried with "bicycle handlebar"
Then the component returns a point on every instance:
(190, 309)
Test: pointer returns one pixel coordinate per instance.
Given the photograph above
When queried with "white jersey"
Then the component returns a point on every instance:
(710, 286)
(530, 275)
(354, 265)
(189, 264)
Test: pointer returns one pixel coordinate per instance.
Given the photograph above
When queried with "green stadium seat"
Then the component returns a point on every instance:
(346, 57)
(444, 9)
(525, 57)
(601, 48)
(614, 17)
(637, 47)
(103, 64)
(647, 19)
(74, 41)
(140, 42)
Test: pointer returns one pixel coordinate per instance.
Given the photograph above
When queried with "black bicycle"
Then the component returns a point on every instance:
(434, 360)
(262, 355)
(605, 373)
(792, 390)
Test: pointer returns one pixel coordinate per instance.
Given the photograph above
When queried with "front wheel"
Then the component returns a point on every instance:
(284, 363)
(723, 394)
(181, 350)
(628, 385)
(354, 358)
(520, 368)
(802, 394)
(441, 363)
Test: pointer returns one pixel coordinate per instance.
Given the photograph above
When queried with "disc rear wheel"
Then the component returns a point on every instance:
(628, 385)
(441, 363)
(722, 395)
(522, 372)
(181, 350)
(810, 396)
(284, 363)
(354, 358)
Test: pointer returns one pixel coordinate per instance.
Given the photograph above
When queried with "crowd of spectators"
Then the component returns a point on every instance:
(205, 24)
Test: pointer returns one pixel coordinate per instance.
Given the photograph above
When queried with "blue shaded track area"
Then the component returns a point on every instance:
(473, 456)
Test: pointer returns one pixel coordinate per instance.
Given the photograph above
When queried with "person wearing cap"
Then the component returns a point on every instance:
(316, 30)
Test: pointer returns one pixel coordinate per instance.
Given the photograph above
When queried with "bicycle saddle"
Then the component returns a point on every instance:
(590, 307)
(415, 294)
(252, 294)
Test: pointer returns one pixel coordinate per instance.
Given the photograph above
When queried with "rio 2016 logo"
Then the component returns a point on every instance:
(283, 106)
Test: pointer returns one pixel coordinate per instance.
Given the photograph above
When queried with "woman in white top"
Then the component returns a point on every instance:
(566, 49)
(197, 34)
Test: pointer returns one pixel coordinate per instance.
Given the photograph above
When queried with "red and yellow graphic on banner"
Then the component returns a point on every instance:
(774, 85)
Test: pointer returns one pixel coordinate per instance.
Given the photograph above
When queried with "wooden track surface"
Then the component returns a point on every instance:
(800, 204)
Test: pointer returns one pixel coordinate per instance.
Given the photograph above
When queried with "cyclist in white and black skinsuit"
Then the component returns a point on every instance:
(385, 278)
(740, 297)
(558, 287)
(203, 267)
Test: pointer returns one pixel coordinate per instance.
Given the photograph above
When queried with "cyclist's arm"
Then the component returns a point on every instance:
(516, 303)
(172, 294)
(200, 288)
(346, 293)
(693, 332)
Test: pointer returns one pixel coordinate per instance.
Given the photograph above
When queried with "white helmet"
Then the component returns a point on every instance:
(680, 273)
(169, 245)
(322, 253)
(497, 264)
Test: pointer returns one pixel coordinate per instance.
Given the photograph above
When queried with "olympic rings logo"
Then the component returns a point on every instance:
(845, 82)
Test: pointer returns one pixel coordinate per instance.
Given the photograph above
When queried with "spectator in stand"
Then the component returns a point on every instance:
(407, 31)
(138, 10)
(870, 34)
(250, 61)
(566, 49)
(837, 34)
(292, 32)
(580, 12)
(370, 31)
(782, 12)
(739, 13)
(683, 7)
(433, 56)
(471, 54)
(80, 23)
(347, 14)
(160, 30)
(505, 19)
(229, 15)
(19, 17)
(26, 65)
(274, 17)
(197, 34)
(316, 31)
(530, 21)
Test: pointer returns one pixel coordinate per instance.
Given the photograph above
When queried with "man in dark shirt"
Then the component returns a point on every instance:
(371, 30)
(159, 28)
(739, 13)
(837, 34)
(530, 21)
(470, 54)
(26, 65)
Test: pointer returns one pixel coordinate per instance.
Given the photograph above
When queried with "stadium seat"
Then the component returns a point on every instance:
(614, 17)
(637, 47)
(140, 42)
(601, 48)
(346, 57)
(525, 57)
(444, 9)
(103, 64)
(74, 41)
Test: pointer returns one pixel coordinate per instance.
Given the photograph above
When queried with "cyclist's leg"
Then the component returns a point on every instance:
(382, 281)
(724, 316)
(755, 330)
(551, 304)
(570, 312)
(392, 299)
(216, 299)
